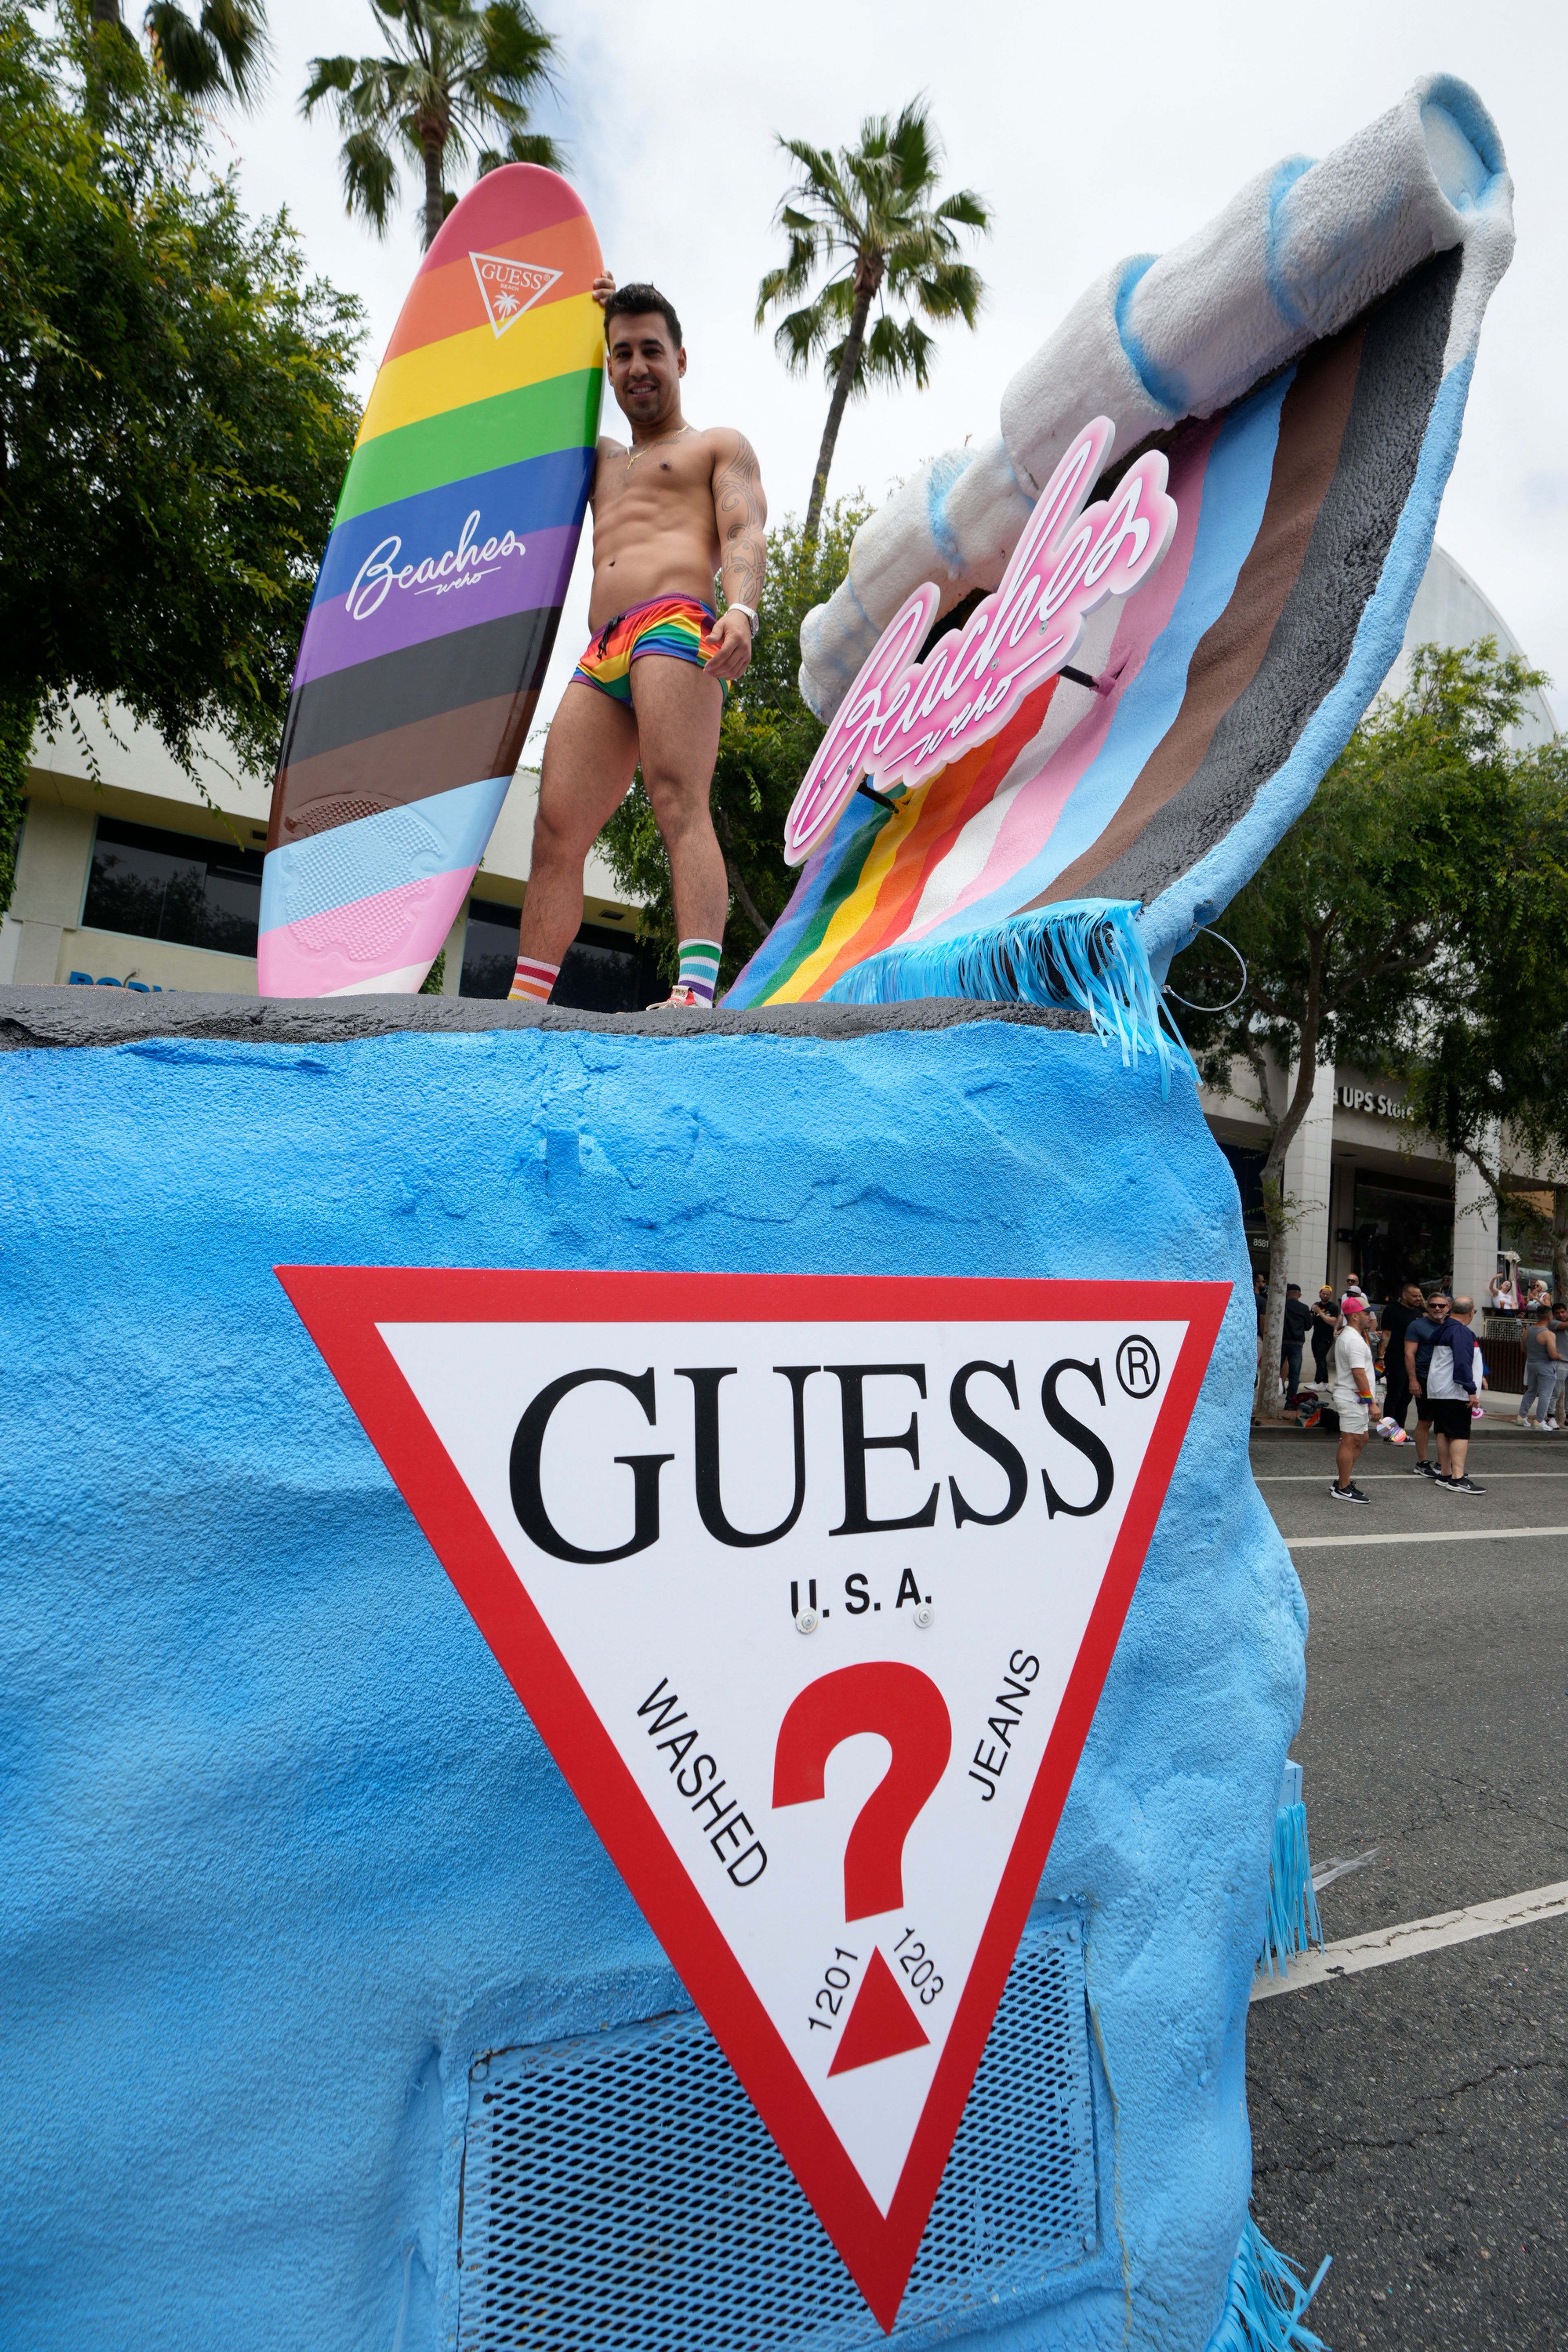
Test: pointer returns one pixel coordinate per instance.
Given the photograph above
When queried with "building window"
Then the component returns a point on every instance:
(489, 949)
(1404, 1232)
(174, 885)
(1247, 1167)
(604, 971)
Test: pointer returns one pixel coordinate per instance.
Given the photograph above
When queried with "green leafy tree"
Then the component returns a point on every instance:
(868, 217)
(766, 740)
(1396, 925)
(1485, 1060)
(176, 413)
(456, 81)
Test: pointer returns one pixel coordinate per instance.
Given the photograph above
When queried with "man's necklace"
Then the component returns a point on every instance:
(636, 454)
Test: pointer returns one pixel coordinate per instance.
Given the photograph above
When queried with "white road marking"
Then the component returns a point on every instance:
(1440, 1535)
(1386, 1944)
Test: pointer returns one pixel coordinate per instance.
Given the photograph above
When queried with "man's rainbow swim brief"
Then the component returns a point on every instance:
(678, 626)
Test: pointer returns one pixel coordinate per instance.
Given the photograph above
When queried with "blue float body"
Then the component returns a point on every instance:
(281, 1849)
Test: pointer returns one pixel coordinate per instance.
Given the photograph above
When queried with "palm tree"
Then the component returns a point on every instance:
(457, 78)
(220, 53)
(867, 214)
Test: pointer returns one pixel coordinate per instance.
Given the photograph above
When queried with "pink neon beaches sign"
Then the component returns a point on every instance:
(897, 723)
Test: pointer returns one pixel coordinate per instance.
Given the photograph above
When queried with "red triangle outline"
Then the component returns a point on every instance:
(894, 2025)
(340, 1306)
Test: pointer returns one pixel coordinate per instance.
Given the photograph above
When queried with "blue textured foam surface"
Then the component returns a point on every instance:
(282, 1849)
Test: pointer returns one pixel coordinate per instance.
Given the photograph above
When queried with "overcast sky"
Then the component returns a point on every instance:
(1086, 147)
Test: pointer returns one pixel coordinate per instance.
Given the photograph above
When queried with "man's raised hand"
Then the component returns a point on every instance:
(604, 287)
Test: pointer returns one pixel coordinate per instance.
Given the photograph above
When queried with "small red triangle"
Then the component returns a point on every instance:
(881, 2025)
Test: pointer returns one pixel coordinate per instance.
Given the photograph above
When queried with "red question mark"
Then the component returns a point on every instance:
(912, 1716)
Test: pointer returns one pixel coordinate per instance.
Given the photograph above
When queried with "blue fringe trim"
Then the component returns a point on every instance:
(1265, 2301)
(1085, 956)
(1293, 1922)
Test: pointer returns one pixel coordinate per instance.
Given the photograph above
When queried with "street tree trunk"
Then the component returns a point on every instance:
(1560, 1241)
(737, 889)
(107, 26)
(867, 279)
(434, 145)
(1280, 1212)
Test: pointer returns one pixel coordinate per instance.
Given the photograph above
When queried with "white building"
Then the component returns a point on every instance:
(145, 882)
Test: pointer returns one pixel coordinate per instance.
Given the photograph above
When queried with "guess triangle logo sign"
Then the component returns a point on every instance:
(811, 1585)
(508, 289)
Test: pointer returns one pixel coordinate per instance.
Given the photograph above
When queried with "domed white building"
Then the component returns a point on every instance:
(1451, 610)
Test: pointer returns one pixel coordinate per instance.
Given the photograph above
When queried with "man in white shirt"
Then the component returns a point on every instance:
(1353, 1364)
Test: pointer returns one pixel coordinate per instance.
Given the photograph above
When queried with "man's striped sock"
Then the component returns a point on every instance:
(699, 967)
(533, 979)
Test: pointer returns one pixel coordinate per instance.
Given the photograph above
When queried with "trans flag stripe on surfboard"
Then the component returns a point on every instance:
(439, 594)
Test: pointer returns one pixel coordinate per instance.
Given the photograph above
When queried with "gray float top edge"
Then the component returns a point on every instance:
(66, 1016)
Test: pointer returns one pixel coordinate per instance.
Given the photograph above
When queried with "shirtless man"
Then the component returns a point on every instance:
(678, 505)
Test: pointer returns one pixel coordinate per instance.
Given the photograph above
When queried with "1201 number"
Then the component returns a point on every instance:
(835, 1983)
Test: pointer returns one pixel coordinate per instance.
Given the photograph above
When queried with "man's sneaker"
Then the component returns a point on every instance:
(1424, 1470)
(684, 999)
(1461, 1486)
(1521, 1420)
(1350, 1494)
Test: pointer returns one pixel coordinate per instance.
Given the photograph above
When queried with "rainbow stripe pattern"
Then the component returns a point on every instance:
(1306, 514)
(674, 625)
(439, 594)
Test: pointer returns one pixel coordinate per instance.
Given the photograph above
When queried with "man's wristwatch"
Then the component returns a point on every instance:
(754, 616)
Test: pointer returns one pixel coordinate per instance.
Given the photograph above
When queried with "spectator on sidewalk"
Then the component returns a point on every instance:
(1419, 1336)
(1560, 1333)
(1298, 1323)
(1352, 1396)
(1397, 1322)
(1451, 1386)
(1325, 1312)
(1542, 1360)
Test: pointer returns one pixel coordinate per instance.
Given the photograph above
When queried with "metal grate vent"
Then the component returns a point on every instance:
(620, 2194)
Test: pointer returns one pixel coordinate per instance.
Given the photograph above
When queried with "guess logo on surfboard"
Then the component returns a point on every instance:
(811, 1584)
(508, 289)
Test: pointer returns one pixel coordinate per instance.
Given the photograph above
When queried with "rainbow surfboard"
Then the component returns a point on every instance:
(439, 594)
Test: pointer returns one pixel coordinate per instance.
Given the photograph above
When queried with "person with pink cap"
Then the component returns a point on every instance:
(1354, 1367)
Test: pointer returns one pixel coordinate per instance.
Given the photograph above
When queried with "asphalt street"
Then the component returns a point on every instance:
(1412, 2121)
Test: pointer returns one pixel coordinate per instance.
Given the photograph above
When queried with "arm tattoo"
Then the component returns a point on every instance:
(740, 511)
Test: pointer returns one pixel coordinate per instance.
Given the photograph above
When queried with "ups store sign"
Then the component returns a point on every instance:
(1376, 1106)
